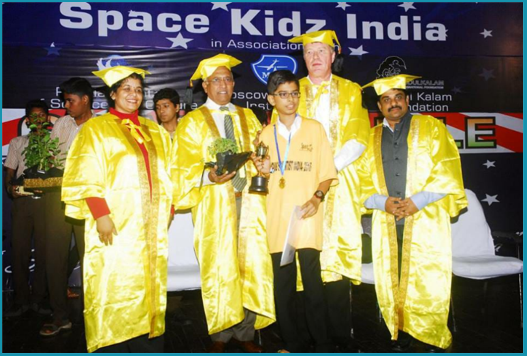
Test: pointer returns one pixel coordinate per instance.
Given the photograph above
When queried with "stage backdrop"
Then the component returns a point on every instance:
(470, 57)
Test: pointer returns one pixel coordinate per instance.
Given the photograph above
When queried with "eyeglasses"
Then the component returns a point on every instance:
(218, 80)
(285, 95)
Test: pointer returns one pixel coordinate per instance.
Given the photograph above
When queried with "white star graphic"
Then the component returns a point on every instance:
(407, 6)
(489, 164)
(220, 5)
(179, 41)
(490, 199)
(52, 49)
(487, 74)
(342, 5)
(357, 51)
(456, 90)
(486, 33)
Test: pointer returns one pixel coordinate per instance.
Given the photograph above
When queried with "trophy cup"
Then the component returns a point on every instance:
(259, 182)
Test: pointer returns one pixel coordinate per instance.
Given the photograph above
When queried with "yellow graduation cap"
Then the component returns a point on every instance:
(325, 36)
(207, 66)
(112, 75)
(382, 85)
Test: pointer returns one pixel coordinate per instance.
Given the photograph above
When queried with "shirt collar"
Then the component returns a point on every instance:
(211, 105)
(386, 124)
(329, 80)
(121, 115)
(283, 130)
(72, 119)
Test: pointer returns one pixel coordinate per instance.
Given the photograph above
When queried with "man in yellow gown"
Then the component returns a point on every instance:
(229, 238)
(337, 104)
(411, 178)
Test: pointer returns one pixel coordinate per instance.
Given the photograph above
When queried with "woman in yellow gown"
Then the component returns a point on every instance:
(117, 179)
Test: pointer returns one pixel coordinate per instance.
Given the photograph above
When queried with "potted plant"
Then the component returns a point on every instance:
(227, 157)
(41, 157)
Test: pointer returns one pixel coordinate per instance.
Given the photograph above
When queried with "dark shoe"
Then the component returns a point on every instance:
(433, 349)
(402, 344)
(41, 309)
(248, 346)
(72, 294)
(53, 328)
(16, 310)
(217, 347)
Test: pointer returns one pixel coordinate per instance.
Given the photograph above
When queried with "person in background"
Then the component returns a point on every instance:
(411, 178)
(77, 94)
(28, 221)
(166, 104)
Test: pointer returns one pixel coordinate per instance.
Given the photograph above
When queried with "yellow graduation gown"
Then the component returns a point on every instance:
(235, 268)
(124, 283)
(417, 304)
(342, 247)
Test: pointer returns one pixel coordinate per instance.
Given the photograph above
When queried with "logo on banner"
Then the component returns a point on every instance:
(394, 65)
(391, 66)
(269, 63)
(111, 61)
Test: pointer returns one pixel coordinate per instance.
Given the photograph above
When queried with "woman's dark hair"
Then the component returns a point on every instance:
(167, 93)
(117, 85)
(280, 77)
(77, 86)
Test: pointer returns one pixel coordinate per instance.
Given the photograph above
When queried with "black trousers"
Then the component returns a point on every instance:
(29, 221)
(140, 344)
(339, 311)
(58, 232)
(286, 301)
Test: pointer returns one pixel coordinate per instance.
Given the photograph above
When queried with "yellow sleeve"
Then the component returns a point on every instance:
(326, 162)
(446, 176)
(85, 175)
(365, 170)
(356, 123)
(188, 162)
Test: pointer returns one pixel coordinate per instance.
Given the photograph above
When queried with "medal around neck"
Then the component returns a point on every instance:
(259, 182)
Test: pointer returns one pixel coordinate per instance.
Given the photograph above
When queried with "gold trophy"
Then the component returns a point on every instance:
(259, 182)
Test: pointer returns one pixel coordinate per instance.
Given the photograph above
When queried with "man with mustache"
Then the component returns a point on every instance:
(411, 178)
(229, 239)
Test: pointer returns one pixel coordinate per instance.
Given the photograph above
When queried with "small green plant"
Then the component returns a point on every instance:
(41, 152)
(221, 145)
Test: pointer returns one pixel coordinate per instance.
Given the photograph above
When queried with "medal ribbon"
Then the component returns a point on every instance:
(280, 163)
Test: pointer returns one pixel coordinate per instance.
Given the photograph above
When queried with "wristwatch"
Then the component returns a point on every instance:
(320, 195)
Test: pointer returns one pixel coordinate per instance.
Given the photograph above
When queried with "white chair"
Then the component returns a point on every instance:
(473, 254)
(183, 268)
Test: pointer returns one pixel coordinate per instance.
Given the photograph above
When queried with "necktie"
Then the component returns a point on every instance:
(238, 182)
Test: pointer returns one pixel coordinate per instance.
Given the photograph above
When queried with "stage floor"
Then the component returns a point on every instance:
(488, 323)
